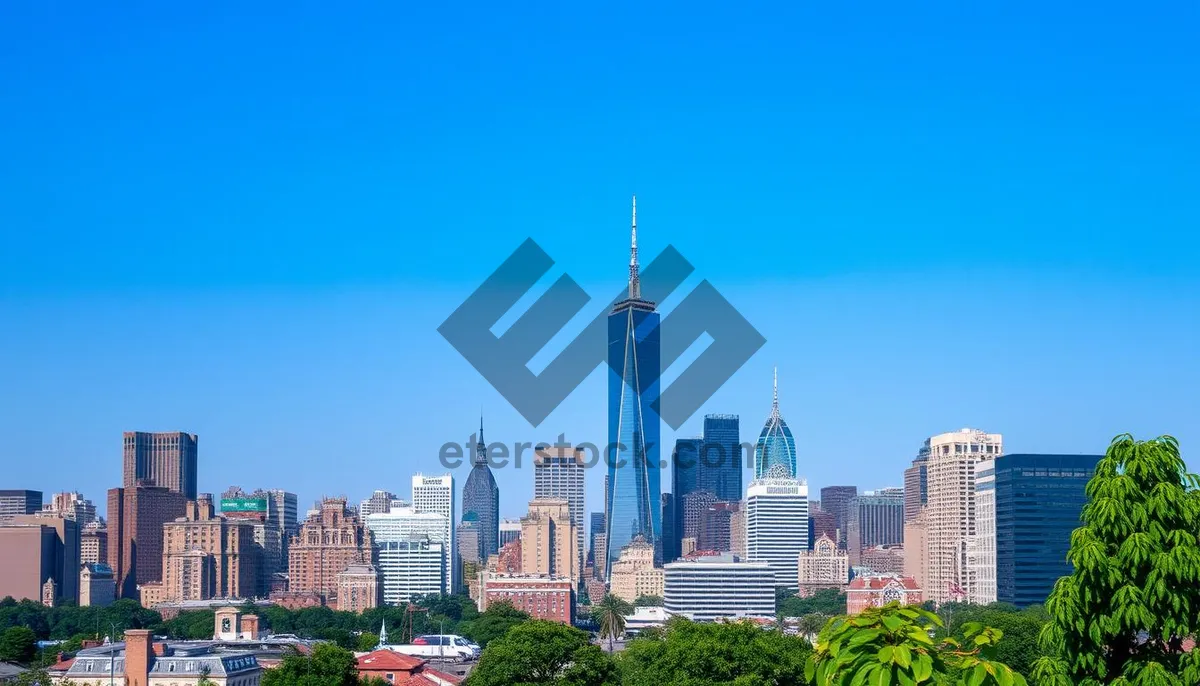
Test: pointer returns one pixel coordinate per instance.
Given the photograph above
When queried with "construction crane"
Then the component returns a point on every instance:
(406, 630)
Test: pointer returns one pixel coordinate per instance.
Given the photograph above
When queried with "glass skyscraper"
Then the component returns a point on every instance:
(721, 457)
(481, 500)
(775, 444)
(634, 492)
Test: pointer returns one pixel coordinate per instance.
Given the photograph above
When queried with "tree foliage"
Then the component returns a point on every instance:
(827, 601)
(18, 644)
(688, 653)
(66, 621)
(487, 627)
(610, 614)
(648, 601)
(328, 665)
(541, 652)
(1133, 598)
(1019, 646)
(893, 645)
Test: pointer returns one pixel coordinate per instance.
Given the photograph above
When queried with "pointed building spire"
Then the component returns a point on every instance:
(480, 446)
(383, 634)
(635, 288)
(775, 391)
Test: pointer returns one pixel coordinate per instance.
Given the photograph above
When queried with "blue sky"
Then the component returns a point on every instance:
(247, 223)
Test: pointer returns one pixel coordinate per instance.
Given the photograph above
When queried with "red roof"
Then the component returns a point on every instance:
(61, 666)
(389, 659)
(452, 678)
(878, 583)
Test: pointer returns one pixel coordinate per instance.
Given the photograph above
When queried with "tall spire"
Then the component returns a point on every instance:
(635, 288)
(774, 392)
(481, 447)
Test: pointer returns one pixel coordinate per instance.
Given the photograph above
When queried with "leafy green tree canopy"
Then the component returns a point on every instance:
(541, 652)
(827, 601)
(648, 601)
(893, 645)
(1134, 596)
(328, 665)
(490, 625)
(610, 614)
(18, 644)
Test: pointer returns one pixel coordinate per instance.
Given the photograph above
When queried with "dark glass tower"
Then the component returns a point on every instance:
(1039, 499)
(721, 457)
(634, 492)
(481, 500)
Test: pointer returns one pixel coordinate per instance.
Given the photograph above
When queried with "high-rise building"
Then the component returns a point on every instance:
(39, 551)
(874, 518)
(208, 556)
(825, 566)
(716, 526)
(634, 574)
(670, 533)
(737, 531)
(93, 543)
(412, 567)
(775, 446)
(548, 539)
(97, 587)
(634, 493)
(510, 530)
(284, 510)
(165, 459)
(436, 494)
(950, 511)
(711, 588)
(711, 463)
(916, 492)
(694, 505)
(821, 523)
(358, 588)
(481, 500)
(135, 524)
(73, 506)
(721, 457)
(380, 501)
(468, 538)
(19, 502)
(836, 501)
(328, 543)
(777, 523)
(916, 548)
(595, 526)
(881, 559)
(558, 473)
(1027, 507)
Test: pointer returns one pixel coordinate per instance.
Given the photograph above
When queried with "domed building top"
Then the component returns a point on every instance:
(776, 447)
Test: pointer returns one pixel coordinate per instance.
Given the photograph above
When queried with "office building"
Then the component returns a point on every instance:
(93, 543)
(712, 588)
(510, 530)
(876, 591)
(950, 510)
(436, 494)
(874, 518)
(135, 524)
(598, 542)
(634, 575)
(558, 473)
(721, 457)
(916, 548)
(825, 566)
(881, 559)
(737, 531)
(284, 512)
(328, 543)
(694, 505)
(19, 502)
(670, 532)
(358, 588)
(379, 502)
(916, 492)
(595, 526)
(161, 459)
(39, 551)
(542, 597)
(716, 526)
(548, 539)
(73, 506)
(207, 556)
(836, 501)
(821, 523)
(481, 501)
(1027, 507)
(777, 523)
(97, 585)
(634, 492)
(469, 540)
(775, 446)
(412, 567)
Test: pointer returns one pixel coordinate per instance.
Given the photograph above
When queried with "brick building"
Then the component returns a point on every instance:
(208, 556)
(542, 597)
(135, 523)
(93, 543)
(548, 540)
(877, 591)
(165, 459)
(330, 540)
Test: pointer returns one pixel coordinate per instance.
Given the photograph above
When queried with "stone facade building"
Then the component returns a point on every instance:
(633, 574)
(358, 588)
(548, 540)
(825, 566)
(208, 556)
(330, 540)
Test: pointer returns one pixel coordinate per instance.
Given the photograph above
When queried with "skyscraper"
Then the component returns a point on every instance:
(165, 459)
(436, 494)
(481, 500)
(380, 501)
(634, 490)
(874, 518)
(836, 501)
(558, 473)
(950, 512)
(548, 540)
(721, 457)
(135, 523)
(777, 523)
(775, 444)
(1028, 506)
(916, 484)
(19, 502)
(73, 506)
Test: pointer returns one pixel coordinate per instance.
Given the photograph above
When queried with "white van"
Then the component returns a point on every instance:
(447, 646)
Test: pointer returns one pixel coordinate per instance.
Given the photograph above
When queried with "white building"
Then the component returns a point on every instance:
(777, 524)
(951, 510)
(409, 568)
(720, 587)
(981, 548)
(402, 526)
(510, 530)
(558, 473)
(436, 494)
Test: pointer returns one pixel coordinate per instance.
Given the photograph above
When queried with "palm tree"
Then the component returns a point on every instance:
(610, 614)
(811, 624)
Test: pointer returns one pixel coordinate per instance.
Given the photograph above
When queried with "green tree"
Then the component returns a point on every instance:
(18, 644)
(811, 624)
(1123, 614)
(892, 645)
(490, 625)
(688, 653)
(328, 665)
(1018, 648)
(367, 642)
(610, 614)
(541, 652)
(827, 601)
(648, 601)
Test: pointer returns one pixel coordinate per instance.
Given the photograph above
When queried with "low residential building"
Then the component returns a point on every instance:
(398, 668)
(825, 566)
(709, 588)
(542, 597)
(876, 591)
(137, 661)
(97, 585)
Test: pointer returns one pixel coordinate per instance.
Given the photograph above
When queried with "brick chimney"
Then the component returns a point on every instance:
(249, 628)
(139, 655)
